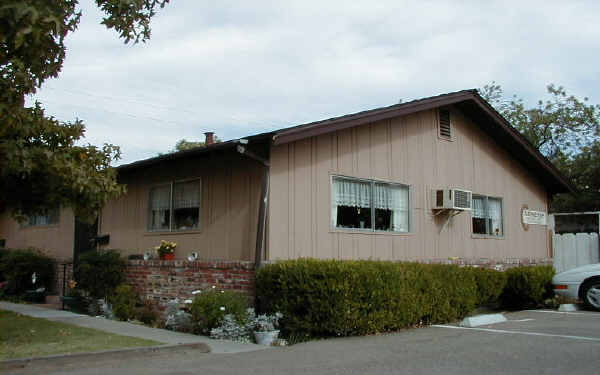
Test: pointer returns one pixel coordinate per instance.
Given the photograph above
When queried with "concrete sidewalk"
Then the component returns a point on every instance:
(128, 329)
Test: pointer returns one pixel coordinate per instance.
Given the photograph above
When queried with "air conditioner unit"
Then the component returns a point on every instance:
(452, 199)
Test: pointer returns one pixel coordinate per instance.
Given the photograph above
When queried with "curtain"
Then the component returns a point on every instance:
(351, 193)
(160, 205)
(478, 210)
(160, 198)
(345, 192)
(186, 194)
(395, 199)
(495, 215)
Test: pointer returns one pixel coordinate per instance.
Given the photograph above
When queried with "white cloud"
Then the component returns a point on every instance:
(240, 69)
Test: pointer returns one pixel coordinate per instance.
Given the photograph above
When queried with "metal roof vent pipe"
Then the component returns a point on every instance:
(210, 138)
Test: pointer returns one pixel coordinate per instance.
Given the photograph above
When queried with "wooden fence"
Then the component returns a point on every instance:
(574, 250)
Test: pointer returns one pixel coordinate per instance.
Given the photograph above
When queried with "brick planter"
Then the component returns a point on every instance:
(163, 280)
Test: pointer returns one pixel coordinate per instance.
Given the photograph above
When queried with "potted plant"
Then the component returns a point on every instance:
(166, 250)
(265, 328)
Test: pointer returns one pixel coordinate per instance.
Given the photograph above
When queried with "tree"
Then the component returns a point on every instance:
(43, 163)
(565, 129)
(184, 144)
(562, 124)
(583, 170)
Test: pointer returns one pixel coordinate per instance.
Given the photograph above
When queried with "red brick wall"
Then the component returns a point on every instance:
(163, 280)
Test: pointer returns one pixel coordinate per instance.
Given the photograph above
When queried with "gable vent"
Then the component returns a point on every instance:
(445, 129)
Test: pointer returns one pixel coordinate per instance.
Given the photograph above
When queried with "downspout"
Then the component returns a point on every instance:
(264, 203)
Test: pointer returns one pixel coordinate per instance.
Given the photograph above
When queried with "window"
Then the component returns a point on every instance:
(444, 126)
(175, 206)
(487, 216)
(50, 217)
(369, 205)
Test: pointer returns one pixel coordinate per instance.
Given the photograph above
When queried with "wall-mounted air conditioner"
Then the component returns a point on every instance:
(452, 199)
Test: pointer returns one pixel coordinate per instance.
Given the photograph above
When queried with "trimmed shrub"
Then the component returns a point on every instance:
(527, 286)
(490, 284)
(100, 272)
(343, 298)
(124, 302)
(18, 265)
(210, 307)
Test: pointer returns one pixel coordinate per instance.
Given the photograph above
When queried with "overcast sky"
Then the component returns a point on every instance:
(240, 68)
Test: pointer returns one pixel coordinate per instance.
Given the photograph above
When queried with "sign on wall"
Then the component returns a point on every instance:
(533, 217)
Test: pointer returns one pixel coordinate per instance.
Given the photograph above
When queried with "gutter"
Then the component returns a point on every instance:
(263, 205)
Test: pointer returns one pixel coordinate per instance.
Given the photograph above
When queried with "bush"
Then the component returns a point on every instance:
(146, 313)
(490, 284)
(209, 308)
(100, 272)
(527, 286)
(124, 302)
(342, 298)
(17, 267)
(321, 298)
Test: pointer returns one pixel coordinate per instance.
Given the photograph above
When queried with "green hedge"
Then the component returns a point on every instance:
(490, 284)
(527, 287)
(341, 298)
(18, 265)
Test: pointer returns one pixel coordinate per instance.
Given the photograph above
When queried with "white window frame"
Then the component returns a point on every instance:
(372, 208)
(171, 185)
(487, 224)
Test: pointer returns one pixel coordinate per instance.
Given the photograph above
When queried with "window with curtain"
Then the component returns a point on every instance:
(49, 217)
(186, 205)
(175, 207)
(369, 205)
(487, 215)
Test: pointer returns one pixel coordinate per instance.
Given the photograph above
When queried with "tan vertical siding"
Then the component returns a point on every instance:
(404, 150)
(57, 240)
(230, 191)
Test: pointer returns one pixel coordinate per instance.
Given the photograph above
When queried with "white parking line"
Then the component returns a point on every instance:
(520, 333)
(521, 320)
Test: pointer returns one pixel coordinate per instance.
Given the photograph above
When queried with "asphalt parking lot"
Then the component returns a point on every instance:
(530, 342)
(577, 326)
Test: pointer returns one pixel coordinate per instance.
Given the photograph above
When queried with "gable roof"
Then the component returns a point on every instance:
(469, 102)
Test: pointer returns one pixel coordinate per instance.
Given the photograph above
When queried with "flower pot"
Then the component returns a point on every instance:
(167, 256)
(266, 338)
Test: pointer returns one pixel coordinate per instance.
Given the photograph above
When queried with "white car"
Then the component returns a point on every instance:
(580, 283)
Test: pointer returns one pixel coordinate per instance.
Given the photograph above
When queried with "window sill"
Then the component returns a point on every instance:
(362, 231)
(171, 233)
(486, 237)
